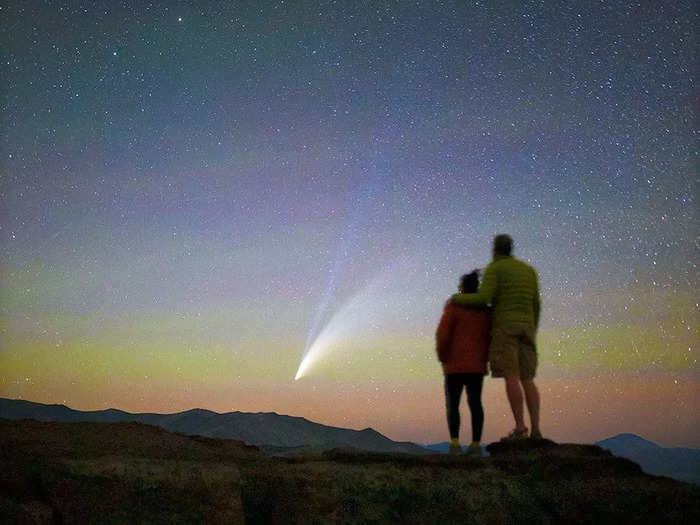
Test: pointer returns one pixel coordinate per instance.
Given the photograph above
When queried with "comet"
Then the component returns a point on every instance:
(341, 325)
(318, 340)
(364, 313)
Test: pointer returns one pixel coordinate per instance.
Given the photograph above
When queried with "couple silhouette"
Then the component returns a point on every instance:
(492, 325)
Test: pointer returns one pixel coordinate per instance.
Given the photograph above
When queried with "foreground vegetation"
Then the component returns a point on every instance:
(133, 473)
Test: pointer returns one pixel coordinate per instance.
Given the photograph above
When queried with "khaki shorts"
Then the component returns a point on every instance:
(513, 351)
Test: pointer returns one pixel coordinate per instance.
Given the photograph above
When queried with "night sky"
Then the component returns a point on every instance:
(192, 193)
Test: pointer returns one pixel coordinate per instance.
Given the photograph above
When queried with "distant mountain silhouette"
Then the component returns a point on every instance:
(273, 432)
(678, 463)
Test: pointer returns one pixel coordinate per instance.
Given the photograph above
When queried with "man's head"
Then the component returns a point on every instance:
(502, 244)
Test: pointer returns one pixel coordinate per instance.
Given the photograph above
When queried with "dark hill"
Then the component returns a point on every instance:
(269, 430)
(682, 464)
(133, 473)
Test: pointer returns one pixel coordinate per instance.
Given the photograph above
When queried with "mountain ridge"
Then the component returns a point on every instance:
(263, 429)
(282, 434)
(681, 463)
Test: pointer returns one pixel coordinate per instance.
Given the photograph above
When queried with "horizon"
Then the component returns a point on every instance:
(201, 204)
(644, 438)
(297, 417)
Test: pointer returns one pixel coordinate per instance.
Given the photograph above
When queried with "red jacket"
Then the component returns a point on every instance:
(463, 339)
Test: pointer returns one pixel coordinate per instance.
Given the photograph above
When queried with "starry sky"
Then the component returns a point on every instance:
(192, 192)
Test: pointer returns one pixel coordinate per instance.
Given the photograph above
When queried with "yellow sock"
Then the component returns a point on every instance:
(454, 442)
(475, 444)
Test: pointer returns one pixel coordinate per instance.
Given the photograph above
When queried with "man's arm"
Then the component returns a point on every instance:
(486, 292)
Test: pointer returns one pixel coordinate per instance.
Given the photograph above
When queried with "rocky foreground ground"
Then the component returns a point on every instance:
(135, 473)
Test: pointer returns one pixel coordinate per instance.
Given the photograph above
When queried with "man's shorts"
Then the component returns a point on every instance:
(513, 351)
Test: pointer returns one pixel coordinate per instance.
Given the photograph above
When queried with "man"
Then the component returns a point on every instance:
(510, 287)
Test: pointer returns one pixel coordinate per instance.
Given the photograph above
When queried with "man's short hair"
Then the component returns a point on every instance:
(502, 244)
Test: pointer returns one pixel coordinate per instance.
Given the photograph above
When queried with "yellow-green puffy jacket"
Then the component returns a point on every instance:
(510, 287)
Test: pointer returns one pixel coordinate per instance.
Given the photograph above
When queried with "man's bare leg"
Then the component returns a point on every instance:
(515, 398)
(532, 398)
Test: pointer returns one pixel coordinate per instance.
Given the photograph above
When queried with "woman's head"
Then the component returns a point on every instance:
(469, 283)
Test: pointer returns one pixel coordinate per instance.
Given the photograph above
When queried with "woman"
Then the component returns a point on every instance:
(462, 348)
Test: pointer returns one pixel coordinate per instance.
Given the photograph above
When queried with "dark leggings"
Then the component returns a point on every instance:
(453, 393)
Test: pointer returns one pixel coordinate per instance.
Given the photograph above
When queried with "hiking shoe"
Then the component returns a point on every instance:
(474, 450)
(515, 435)
(536, 434)
(455, 449)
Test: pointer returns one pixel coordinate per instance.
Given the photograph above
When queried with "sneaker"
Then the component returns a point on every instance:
(536, 434)
(474, 450)
(455, 449)
(515, 435)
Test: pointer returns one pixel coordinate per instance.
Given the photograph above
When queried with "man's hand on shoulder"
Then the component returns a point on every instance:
(457, 298)
(469, 299)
